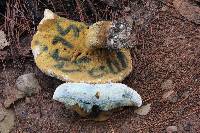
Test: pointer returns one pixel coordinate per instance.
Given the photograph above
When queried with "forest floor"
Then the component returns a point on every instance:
(166, 59)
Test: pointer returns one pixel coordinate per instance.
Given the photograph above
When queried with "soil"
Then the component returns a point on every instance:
(166, 57)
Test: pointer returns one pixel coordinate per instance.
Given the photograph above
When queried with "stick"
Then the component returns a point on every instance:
(80, 10)
(93, 9)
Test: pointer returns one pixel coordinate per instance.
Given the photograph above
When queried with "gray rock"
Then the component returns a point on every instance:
(28, 84)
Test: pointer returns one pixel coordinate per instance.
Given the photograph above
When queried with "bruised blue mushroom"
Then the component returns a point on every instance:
(94, 98)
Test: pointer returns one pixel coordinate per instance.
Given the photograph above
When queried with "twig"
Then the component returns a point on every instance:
(93, 9)
(53, 5)
(110, 126)
(80, 10)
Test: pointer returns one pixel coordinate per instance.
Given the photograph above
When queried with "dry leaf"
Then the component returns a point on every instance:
(171, 129)
(167, 94)
(144, 110)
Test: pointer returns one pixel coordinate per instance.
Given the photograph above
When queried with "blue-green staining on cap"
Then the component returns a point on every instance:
(113, 66)
(98, 72)
(45, 48)
(106, 96)
(82, 60)
(55, 54)
(60, 64)
(58, 39)
(118, 64)
(65, 31)
(70, 71)
(121, 57)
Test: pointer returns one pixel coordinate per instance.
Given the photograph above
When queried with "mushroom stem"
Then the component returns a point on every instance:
(107, 34)
(96, 115)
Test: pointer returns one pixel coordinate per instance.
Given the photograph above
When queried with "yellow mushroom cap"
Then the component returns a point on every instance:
(60, 50)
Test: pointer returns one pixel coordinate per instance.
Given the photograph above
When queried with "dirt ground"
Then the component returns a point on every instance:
(166, 57)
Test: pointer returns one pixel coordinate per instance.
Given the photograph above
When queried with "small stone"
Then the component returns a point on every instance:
(3, 41)
(167, 85)
(164, 8)
(28, 84)
(127, 9)
(186, 94)
(171, 129)
(143, 110)
(3, 55)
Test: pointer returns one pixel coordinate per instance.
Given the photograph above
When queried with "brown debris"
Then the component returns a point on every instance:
(189, 9)
(113, 3)
(167, 85)
(171, 129)
(3, 55)
(7, 118)
(167, 94)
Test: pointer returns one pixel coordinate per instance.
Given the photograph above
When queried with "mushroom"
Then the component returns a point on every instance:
(92, 58)
(96, 100)
(75, 52)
